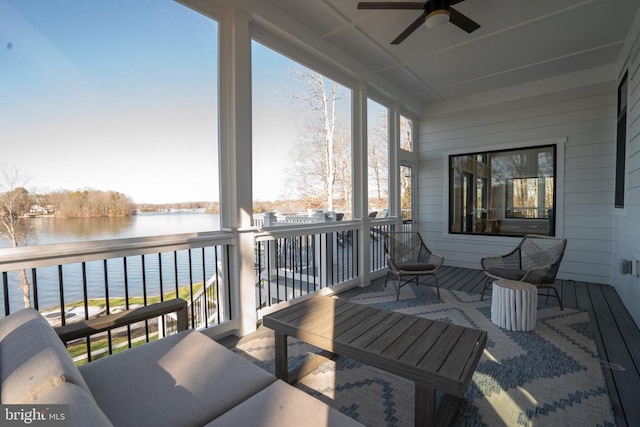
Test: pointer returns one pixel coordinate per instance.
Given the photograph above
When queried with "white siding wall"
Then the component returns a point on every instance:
(585, 118)
(627, 220)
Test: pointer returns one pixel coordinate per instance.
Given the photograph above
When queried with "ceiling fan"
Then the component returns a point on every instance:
(435, 13)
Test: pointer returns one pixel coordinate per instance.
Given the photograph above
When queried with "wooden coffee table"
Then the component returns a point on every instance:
(434, 355)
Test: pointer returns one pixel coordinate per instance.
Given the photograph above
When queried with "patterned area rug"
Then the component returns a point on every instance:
(548, 377)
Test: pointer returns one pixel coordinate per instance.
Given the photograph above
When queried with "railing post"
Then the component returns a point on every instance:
(269, 219)
(272, 262)
(319, 216)
(324, 258)
(271, 254)
(325, 241)
(364, 240)
(328, 262)
(243, 290)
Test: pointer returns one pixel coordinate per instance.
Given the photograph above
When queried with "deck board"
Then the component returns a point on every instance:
(616, 334)
(624, 322)
(617, 352)
(568, 294)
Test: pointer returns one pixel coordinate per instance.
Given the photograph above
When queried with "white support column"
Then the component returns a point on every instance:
(235, 163)
(360, 165)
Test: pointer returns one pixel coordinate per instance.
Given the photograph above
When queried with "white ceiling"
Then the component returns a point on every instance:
(519, 41)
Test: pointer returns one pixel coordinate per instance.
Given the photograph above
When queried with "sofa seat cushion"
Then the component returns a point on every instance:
(282, 405)
(415, 266)
(183, 379)
(32, 358)
(83, 410)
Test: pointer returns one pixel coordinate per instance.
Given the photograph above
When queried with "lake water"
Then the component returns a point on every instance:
(58, 230)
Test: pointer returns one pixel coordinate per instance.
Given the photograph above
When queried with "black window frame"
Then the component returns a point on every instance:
(621, 143)
(490, 229)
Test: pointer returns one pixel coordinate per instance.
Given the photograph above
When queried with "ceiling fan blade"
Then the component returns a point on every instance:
(462, 21)
(452, 2)
(390, 5)
(410, 29)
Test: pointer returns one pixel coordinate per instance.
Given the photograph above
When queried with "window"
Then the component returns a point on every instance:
(406, 134)
(510, 192)
(301, 138)
(378, 158)
(406, 192)
(621, 143)
(117, 103)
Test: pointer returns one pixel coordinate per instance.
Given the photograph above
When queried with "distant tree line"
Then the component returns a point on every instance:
(96, 203)
(209, 207)
(84, 203)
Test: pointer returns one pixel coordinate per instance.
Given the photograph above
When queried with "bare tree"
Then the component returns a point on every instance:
(15, 202)
(406, 134)
(343, 187)
(405, 192)
(378, 155)
(315, 170)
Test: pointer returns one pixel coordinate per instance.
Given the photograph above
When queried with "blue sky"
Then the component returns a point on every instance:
(106, 95)
(122, 95)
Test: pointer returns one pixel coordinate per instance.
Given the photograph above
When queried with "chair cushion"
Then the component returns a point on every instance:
(83, 410)
(506, 273)
(282, 405)
(183, 379)
(33, 359)
(415, 266)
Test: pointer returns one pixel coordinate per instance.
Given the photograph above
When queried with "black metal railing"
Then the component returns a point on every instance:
(82, 280)
(294, 262)
(87, 279)
(377, 232)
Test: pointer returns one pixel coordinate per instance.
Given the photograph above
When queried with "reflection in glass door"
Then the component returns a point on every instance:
(467, 202)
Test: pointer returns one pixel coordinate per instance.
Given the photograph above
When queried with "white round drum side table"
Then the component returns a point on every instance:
(514, 305)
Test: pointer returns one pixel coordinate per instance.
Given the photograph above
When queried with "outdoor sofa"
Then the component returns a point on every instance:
(185, 379)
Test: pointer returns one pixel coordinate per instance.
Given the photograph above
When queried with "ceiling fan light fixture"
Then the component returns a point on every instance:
(436, 18)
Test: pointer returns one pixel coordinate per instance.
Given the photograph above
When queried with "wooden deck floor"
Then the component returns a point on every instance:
(616, 334)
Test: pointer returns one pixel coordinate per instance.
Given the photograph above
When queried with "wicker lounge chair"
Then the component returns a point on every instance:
(535, 260)
(408, 257)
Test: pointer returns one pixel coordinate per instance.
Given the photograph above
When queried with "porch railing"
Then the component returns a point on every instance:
(296, 261)
(377, 229)
(85, 279)
(276, 219)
